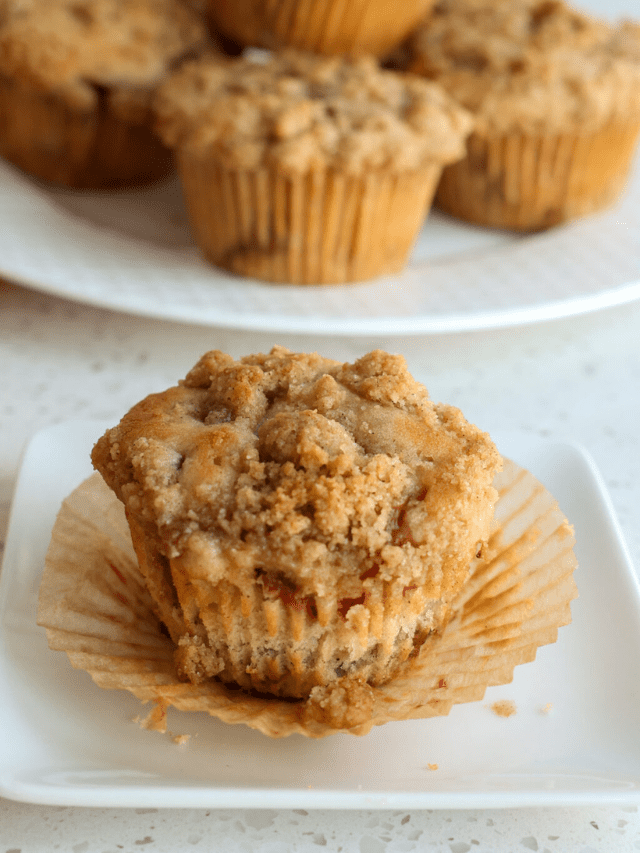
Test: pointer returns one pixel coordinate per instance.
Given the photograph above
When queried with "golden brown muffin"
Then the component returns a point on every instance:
(322, 26)
(300, 522)
(555, 95)
(76, 84)
(299, 168)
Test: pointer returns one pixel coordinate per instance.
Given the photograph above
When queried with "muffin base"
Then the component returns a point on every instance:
(84, 150)
(322, 26)
(316, 228)
(95, 607)
(267, 639)
(525, 183)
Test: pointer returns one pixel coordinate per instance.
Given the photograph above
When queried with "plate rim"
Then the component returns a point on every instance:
(449, 324)
(555, 306)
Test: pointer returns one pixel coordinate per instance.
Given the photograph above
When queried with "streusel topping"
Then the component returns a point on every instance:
(531, 65)
(68, 47)
(304, 112)
(305, 469)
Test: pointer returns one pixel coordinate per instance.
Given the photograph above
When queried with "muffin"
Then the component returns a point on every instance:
(304, 169)
(323, 26)
(555, 96)
(76, 84)
(300, 523)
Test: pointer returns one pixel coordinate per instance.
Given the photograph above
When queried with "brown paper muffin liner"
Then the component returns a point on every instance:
(322, 26)
(306, 634)
(95, 608)
(529, 183)
(317, 227)
(50, 140)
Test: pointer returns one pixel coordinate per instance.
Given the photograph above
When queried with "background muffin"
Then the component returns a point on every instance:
(299, 168)
(300, 522)
(556, 99)
(323, 26)
(76, 81)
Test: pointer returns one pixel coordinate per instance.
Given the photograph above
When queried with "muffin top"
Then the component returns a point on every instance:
(71, 47)
(302, 112)
(531, 65)
(305, 473)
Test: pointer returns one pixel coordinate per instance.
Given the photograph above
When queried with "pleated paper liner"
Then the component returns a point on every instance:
(322, 26)
(529, 183)
(99, 150)
(312, 228)
(95, 608)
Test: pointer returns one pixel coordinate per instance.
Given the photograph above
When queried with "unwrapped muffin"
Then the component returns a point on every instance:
(322, 26)
(301, 524)
(299, 168)
(555, 95)
(76, 83)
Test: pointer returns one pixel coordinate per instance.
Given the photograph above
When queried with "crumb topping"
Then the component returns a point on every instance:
(303, 112)
(341, 706)
(531, 65)
(305, 475)
(70, 47)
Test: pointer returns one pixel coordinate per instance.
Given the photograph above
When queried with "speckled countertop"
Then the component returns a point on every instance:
(575, 379)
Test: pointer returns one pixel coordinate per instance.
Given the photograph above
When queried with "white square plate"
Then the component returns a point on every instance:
(65, 741)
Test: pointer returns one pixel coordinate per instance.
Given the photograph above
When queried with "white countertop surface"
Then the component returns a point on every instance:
(577, 379)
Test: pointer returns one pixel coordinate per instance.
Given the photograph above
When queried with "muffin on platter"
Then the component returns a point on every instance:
(305, 169)
(555, 96)
(301, 524)
(76, 83)
(322, 26)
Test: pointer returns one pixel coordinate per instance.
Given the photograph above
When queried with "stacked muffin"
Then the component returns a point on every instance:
(302, 159)
(332, 27)
(77, 81)
(555, 96)
(302, 168)
(299, 168)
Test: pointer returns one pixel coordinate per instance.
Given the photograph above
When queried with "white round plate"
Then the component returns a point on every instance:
(132, 251)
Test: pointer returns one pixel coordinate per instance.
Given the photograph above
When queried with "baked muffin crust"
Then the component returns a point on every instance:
(335, 499)
(70, 47)
(532, 66)
(302, 112)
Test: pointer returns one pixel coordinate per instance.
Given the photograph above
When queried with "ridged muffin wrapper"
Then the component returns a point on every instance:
(95, 607)
(331, 27)
(318, 227)
(529, 183)
(93, 149)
